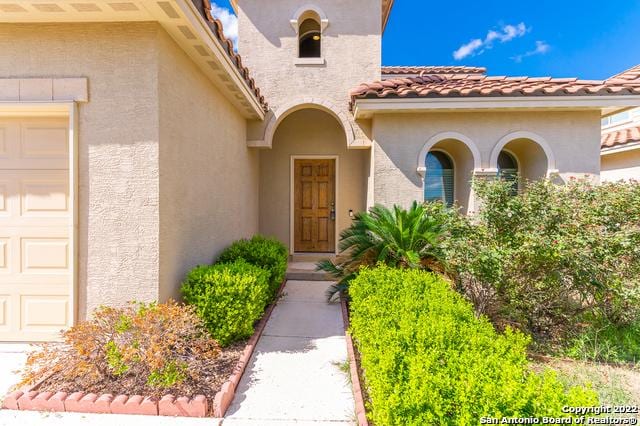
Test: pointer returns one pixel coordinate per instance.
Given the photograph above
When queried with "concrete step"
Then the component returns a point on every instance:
(311, 257)
(305, 271)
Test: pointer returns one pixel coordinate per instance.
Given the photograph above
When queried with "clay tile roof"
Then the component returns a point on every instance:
(620, 137)
(632, 74)
(204, 6)
(433, 70)
(474, 85)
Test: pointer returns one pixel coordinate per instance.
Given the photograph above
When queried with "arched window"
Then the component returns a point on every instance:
(309, 39)
(508, 170)
(438, 178)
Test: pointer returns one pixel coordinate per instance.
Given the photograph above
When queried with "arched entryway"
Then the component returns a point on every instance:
(310, 181)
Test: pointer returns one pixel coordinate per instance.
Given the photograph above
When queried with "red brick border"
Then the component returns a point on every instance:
(168, 405)
(356, 382)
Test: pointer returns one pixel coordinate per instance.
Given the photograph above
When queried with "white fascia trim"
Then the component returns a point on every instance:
(368, 106)
(617, 149)
(207, 36)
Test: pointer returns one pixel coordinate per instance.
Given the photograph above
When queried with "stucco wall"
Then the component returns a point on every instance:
(309, 132)
(118, 146)
(208, 176)
(574, 138)
(351, 47)
(621, 166)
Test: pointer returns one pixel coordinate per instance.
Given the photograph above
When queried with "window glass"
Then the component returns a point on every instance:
(438, 178)
(508, 170)
(310, 39)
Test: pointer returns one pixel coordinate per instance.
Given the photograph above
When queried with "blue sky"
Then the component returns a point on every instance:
(590, 39)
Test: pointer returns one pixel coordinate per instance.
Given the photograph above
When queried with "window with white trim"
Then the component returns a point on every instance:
(439, 178)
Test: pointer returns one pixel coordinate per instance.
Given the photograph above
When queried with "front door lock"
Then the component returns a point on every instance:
(332, 212)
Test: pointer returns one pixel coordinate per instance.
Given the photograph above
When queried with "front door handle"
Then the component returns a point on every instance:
(332, 212)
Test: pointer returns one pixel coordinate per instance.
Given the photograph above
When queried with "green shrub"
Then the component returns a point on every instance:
(428, 360)
(229, 297)
(267, 253)
(396, 237)
(552, 258)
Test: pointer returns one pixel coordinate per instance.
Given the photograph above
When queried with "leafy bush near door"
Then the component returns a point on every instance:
(427, 358)
(396, 237)
(267, 253)
(229, 297)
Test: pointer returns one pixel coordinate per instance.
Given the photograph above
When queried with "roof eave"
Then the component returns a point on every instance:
(386, 12)
(367, 107)
(629, 146)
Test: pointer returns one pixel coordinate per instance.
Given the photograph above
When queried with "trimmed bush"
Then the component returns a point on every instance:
(428, 360)
(229, 297)
(267, 253)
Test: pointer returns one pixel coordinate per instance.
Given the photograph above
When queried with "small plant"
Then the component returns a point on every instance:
(429, 360)
(145, 349)
(229, 297)
(267, 253)
(396, 237)
(171, 374)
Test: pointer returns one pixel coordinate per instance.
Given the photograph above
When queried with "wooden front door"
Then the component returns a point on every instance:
(314, 208)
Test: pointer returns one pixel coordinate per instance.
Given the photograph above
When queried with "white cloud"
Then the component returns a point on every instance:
(478, 46)
(467, 49)
(229, 22)
(540, 49)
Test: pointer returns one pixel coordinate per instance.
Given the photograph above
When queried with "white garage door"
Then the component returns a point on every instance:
(36, 268)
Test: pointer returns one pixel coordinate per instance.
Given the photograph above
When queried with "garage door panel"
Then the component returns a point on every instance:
(47, 196)
(44, 313)
(36, 229)
(4, 197)
(34, 143)
(44, 142)
(5, 300)
(4, 255)
(44, 255)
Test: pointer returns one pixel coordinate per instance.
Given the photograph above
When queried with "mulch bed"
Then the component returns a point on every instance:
(214, 373)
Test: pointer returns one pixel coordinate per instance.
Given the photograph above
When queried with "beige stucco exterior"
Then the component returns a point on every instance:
(351, 54)
(160, 154)
(572, 138)
(621, 165)
(208, 176)
(177, 157)
(310, 132)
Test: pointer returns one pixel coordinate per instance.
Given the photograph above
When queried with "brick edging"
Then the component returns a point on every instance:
(227, 392)
(169, 405)
(356, 383)
(81, 402)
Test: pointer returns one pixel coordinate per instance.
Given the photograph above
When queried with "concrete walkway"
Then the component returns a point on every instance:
(295, 376)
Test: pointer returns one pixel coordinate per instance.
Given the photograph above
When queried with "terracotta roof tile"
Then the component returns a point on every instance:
(470, 85)
(432, 70)
(620, 137)
(204, 6)
(632, 74)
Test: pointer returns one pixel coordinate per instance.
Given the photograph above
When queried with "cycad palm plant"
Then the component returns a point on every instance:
(396, 237)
